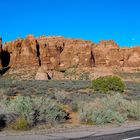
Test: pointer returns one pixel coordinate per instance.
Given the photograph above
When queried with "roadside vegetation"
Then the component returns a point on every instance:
(27, 104)
(24, 112)
(110, 109)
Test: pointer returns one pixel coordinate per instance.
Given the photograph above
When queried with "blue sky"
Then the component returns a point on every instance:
(87, 19)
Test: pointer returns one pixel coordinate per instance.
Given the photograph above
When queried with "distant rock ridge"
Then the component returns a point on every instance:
(57, 52)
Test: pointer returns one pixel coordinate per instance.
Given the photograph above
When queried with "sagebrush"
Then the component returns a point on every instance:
(34, 110)
(109, 109)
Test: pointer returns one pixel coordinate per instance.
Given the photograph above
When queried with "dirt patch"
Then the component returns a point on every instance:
(73, 118)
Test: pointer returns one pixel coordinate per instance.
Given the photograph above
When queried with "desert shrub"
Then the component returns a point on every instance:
(48, 111)
(19, 124)
(74, 106)
(108, 83)
(11, 92)
(109, 109)
(84, 76)
(22, 106)
(133, 109)
(35, 110)
(62, 97)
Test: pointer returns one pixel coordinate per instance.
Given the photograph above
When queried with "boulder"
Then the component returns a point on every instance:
(43, 74)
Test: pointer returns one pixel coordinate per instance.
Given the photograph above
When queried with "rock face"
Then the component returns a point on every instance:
(0, 52)
(46, 54)
(61, 52)
(108, 53)
(23, 53)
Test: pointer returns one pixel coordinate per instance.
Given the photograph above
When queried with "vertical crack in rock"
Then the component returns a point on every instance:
(38, 52)
(92, 59)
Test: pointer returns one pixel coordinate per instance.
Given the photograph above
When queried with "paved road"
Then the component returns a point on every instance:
(110, 134)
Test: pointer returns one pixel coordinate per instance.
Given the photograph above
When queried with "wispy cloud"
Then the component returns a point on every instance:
(133, 39)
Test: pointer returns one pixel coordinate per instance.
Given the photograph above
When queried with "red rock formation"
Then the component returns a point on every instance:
(23, 52)
(106, 53)
(0, 51)
(50, 53)
(62, 52)
(132, 57)
(13, 47)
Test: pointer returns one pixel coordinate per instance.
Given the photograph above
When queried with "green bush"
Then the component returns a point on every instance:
(108, 83)
(109, 109)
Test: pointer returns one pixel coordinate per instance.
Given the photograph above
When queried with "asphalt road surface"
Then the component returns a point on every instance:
(112, 134)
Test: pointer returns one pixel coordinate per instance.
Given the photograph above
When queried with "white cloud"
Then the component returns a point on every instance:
(133, 39)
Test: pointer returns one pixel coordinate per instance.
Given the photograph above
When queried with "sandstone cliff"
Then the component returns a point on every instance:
(47, 55)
